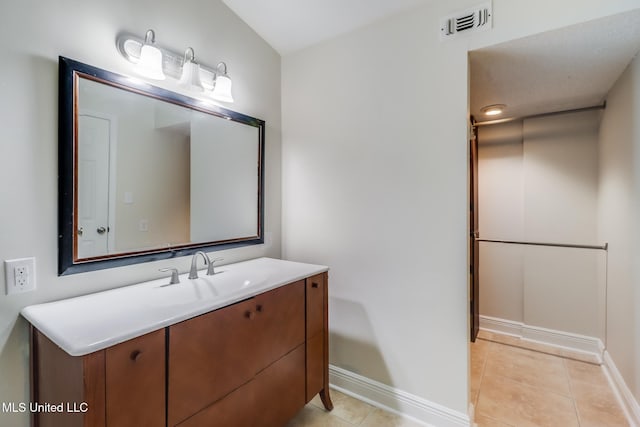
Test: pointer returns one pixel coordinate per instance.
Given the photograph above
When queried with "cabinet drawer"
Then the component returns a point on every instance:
(210, 356)
(234, 410)
(135, 381)
(269, 400)
(279, 390)
(315, 290)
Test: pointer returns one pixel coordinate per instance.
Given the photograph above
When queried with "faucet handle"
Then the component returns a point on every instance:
(174, 274)
(210, 267)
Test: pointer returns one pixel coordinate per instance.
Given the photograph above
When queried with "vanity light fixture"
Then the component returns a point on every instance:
(150, 60)
(493, 110)
(190, 78)
(221, 84)
(156, 63)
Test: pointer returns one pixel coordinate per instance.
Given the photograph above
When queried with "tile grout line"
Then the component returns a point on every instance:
(549, 352)
(573, 397)
(482, 371)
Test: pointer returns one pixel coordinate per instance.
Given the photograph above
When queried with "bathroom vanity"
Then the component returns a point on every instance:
(247, 346)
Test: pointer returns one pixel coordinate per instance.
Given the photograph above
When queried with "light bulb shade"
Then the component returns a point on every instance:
(190, 78)
(222, 89)
(150, 63)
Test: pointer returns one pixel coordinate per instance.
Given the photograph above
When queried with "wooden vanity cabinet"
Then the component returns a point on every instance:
(120, 386)
(254, 363)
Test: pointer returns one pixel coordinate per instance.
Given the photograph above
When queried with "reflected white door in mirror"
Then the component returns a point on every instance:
(96, 167)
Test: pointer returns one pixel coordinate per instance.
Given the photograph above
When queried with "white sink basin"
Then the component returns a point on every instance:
(93, 322)
(195, 291)
(226, 281)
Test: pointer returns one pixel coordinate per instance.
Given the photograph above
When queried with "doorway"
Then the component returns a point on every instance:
(537, 230)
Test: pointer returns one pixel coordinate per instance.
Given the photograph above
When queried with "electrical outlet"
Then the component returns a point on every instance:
(20, 275)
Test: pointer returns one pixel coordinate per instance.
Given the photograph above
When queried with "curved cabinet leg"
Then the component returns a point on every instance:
(326, 399)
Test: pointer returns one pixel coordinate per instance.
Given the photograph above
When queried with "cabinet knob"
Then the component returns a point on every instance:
(249, 315)
(135, 354)
(259, 308)
(314, 285)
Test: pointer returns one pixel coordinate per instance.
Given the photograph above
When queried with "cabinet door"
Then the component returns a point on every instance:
(209, 357)
(315, 366)
(280, 321)
(316, 354)
(135, 381)
(315, 287)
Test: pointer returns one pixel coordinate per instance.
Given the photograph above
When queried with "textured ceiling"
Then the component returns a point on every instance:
(572, 67)
(290, 25)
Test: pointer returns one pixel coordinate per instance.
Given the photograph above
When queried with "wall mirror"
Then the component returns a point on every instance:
(148, 174)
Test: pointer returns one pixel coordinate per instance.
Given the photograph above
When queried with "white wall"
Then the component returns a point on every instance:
(617, 222)
(562, 290)
(32, 35)
(501, 217)
(561, 178)
(375, 186)
(538, 182)
(367, 192)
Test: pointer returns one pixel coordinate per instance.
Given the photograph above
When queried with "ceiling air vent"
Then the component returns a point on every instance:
(468, 21)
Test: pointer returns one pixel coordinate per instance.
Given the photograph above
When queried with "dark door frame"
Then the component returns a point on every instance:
(474, 292)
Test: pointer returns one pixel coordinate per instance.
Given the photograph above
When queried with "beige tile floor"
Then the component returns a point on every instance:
(347, 412)
(519, 387)
(511, 386)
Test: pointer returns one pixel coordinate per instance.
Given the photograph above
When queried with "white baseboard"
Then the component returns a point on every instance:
(623, 394)
(397, 401)
(560, 339)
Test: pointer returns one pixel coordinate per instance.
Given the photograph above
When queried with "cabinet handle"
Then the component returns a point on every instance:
(135, 354)
(259, 308)
(249, 315)
(314, 285)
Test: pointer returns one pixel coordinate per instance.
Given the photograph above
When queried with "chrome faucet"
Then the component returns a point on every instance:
(193, 272)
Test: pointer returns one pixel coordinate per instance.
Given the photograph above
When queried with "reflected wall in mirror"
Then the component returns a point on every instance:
(147, 174)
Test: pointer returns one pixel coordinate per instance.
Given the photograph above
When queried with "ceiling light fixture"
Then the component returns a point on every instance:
(493, 110)
(155, 63)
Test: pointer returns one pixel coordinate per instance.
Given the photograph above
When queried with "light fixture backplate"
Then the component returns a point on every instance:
(129, 46)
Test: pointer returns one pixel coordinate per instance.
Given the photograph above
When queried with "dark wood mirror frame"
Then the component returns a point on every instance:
(69, 72)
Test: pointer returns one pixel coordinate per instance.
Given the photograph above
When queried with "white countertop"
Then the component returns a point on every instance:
(89, 323)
